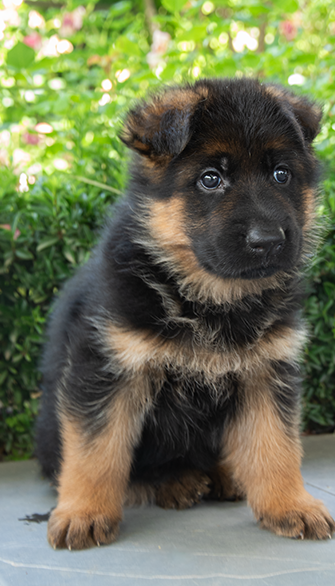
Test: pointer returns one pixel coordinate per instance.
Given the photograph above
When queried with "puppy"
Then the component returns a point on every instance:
(170, 373)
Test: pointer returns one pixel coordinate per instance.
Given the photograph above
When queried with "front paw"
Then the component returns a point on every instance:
(80, 530)
(307, 520)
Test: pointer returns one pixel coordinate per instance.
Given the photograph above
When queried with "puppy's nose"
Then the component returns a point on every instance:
(266, 240)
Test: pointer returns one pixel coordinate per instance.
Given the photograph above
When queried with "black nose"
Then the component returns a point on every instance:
(266, 240)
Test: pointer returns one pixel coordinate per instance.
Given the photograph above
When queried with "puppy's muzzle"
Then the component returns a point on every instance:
(266, 241)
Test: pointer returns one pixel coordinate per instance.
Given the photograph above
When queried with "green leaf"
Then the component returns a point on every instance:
(173, 5)
(286, 6)
(46, 243)
(15, 222)
(196, 34)
(24, 254)
(20, 56)
(3, 376)
(120, 7)
(126, 46)
(69, 255)
(8, 258)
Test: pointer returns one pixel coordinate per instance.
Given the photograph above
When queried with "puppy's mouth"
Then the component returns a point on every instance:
(238, 260)
(247, 273)
(259, 273)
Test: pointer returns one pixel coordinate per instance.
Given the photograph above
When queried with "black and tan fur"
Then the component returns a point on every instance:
(171, 372)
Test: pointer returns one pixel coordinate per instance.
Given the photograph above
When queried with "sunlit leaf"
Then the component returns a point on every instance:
(20, 56)
(173, 5)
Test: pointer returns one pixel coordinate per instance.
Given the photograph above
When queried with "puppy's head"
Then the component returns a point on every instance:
(228, 174)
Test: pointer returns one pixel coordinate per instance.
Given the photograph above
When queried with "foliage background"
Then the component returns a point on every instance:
(69, 70)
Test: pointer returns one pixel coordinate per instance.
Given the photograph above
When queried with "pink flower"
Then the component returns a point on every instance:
(4, 159)
(67, 27)
(160, 42)
(8, 227)
(288, 29)
(72, 21)
(34, 40)
(31, 138)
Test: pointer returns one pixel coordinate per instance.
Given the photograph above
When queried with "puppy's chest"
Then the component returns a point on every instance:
(204, 342)
(222, 330)
(207, 345)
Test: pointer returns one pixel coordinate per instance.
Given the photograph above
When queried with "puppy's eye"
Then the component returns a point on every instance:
(210, 180)
(281, 175)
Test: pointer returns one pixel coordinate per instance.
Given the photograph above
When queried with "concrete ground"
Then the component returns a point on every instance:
(212, 544)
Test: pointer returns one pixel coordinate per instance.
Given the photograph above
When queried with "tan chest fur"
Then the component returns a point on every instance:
(137, 350)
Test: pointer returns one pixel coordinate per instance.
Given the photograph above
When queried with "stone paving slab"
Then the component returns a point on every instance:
(212, 544)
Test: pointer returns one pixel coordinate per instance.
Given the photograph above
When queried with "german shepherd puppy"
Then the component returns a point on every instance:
(171, 371)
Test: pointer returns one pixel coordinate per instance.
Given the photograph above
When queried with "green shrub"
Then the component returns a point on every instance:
(62, 163)
(319, 364)
(58, 226)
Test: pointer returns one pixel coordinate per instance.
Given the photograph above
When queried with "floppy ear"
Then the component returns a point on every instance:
(307, 113)
(161, 127)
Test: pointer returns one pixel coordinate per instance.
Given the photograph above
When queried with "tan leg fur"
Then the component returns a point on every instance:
(265, 460)
(93, 480)
(223, 487)
(183, 492)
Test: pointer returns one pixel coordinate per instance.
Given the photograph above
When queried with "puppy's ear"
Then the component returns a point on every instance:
(307, 113)
(161, 127)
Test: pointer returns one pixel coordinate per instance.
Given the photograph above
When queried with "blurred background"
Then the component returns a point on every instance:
(68, 72)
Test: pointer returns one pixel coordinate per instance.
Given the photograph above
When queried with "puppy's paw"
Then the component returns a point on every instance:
(309, 520)
(222, 486)
(183, 492)
(80, 530)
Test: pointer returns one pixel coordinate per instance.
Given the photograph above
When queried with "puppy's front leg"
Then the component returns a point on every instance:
(94, 476)
(263, 449)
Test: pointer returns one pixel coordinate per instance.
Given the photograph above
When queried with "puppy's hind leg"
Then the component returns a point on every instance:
(222, 486)
(183, 491)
